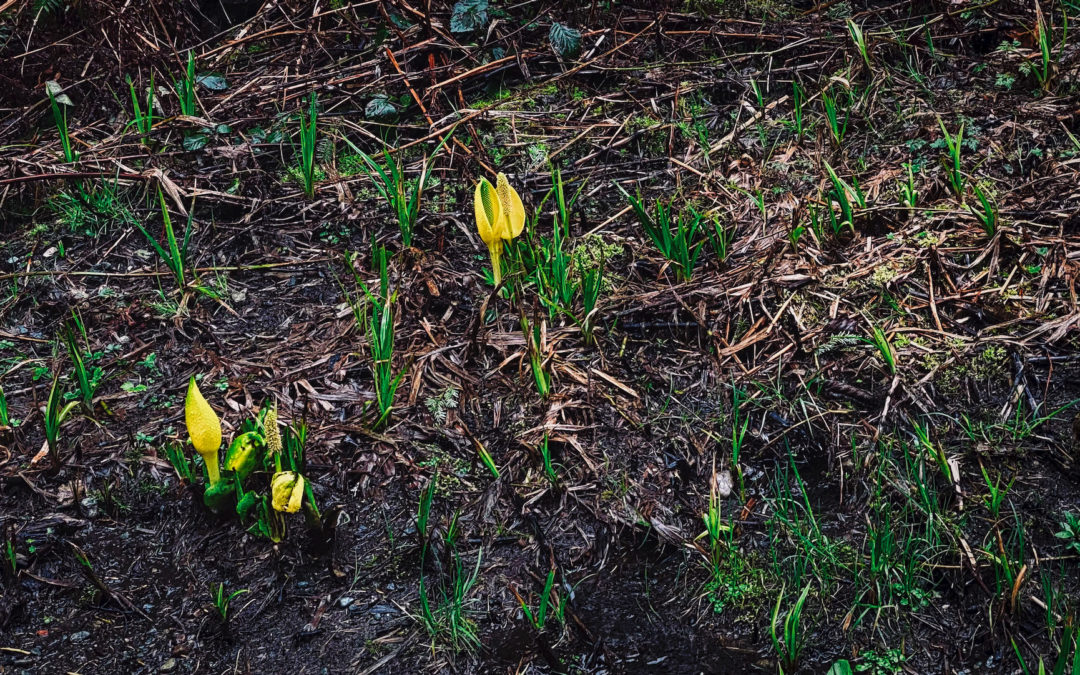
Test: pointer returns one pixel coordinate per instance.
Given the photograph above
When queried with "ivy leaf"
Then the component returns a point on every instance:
(53, 89)
(380, 108)
(564, 40)
(195, 141)
(468, 16)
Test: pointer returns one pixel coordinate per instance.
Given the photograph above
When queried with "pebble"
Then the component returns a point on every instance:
(345, 602)
(81, 635)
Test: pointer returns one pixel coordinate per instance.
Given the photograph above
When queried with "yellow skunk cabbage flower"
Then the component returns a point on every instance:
(500, 216)
(287, 491)
(204, 428)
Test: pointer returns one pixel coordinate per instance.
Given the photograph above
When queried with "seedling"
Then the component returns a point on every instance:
(377, 317)
(1070, 532)
(996, 496)
(909, 194)
(5, 417)
(799, 97)
(535, 347)
(885, 348)
(87, 378)
(847, 197)
(833, 113)
(549, 468)
(592, 282)
(720, 238)
(1043, 69)
(221, 600)
(12, 557)
(549, 598)
(184, 468)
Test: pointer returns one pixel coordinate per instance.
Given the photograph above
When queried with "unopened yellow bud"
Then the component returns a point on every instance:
(287, 491)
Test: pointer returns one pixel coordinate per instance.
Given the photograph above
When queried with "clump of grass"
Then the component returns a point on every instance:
(446, 617)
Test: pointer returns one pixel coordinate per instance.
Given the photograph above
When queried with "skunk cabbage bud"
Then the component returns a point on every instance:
(243, 454)
(204, 428)
(287, 491)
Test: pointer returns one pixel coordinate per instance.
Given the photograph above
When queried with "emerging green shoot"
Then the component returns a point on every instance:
(185, 88)
(592, 282)
(88, 379)
(308, 133)
(720, 237)
(549, 468)
(986, 212)
(377, 317)
(847, 197)
(59, 102)
(181, 464)
(535, 348)
(909, 194)
(143, 118)
(391, 184)
(221, 600)
(1070, 532)
(56, 411)
(952, 165)
(680, 245)
(856, 33)
(836, 115)
(799, 97)
(1043, 68)
(549, 598)
(885, 348)
(5, 417)
(175, 255)
(788, 640)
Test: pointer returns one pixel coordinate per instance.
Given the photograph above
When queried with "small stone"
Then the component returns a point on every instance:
(168, 666)
(80, 636)
(345, 602)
